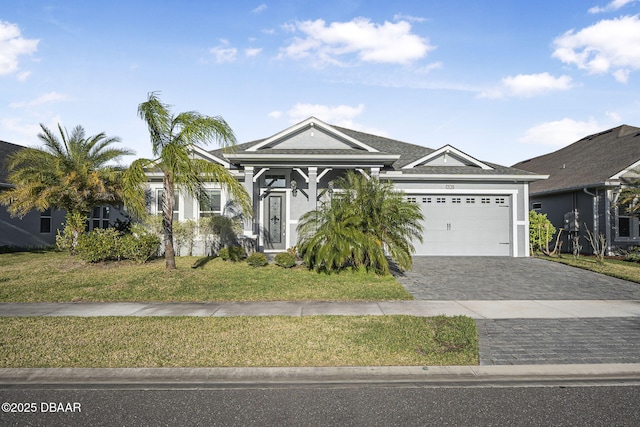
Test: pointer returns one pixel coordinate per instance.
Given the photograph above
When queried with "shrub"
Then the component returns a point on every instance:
(232, 253)
(257, 259)
(541, 231)
(139, 248)
(285, 259)
(108, 244)
(99, 245)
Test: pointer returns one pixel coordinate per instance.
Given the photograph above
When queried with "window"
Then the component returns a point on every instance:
(536, 206)
(275, 181)
(499, 199)
(485, 200)
(45, 221)
(176, 204)
(100, 217)
(426, 200)
(441, 200)
(471, 199)
(456, 200)
(627, 226)
(210, 204)
(411, 199)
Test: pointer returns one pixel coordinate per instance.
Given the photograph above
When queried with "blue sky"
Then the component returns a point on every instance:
(502, 80)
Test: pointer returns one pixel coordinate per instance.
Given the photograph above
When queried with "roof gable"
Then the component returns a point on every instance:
(447, 156)
(6, 149)
(312, 134)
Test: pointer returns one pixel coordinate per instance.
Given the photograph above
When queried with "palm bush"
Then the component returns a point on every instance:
(359, 227)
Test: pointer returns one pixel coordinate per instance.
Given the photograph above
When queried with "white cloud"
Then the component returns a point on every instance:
(323, 44)
(252, 51)
(340, 115)
(334, 115)
(12, 46)
(275, 114)
(18, 131)
(560, 133)
(409, 18)
(429, 67)
(611, 45)
(528, 85)
(614, 5)
(223, 53)
(47, 98)
(259, 9)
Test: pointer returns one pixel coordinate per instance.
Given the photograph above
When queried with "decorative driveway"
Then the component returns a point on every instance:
(526, 341)
(504, 278)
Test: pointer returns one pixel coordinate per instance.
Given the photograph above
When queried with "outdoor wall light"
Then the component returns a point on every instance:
(330, 185)
(294, 188)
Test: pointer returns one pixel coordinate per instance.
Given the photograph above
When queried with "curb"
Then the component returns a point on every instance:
(327, 375)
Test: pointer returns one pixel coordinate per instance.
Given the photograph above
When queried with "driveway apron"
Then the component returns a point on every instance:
(532, 341)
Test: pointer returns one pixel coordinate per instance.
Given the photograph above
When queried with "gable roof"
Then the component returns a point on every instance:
(6, 149)
(590, 162)
(396, 156)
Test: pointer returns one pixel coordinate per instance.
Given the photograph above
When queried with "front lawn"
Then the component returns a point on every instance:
(612, 267)
(118, 342)
(57, 277)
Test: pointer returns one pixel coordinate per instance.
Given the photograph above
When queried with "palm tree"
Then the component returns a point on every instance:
(360, 226)
(71, 173)
(173, 139)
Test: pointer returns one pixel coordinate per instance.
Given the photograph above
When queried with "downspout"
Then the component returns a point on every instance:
(594, 209)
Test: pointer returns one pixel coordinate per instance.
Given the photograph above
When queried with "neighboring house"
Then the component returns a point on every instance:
(470, 207)
(586, 177)
(39, 229)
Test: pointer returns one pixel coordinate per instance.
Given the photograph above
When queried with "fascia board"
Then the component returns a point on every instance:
(312, 122)
(463, 177)
(448, 148)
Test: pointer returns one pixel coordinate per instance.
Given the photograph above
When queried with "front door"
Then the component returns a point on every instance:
(275, 224)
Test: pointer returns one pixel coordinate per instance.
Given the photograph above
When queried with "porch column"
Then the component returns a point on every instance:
(375, 172)
(313, 187)
(248, 186)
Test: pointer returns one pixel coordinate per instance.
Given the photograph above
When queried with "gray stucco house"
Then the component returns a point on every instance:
(587, 177)
(471, 207)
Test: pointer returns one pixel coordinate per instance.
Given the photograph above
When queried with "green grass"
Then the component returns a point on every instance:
(57, 277)
(611, 267)
(110, 342)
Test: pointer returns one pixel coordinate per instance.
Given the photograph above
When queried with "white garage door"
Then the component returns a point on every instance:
(465, 225)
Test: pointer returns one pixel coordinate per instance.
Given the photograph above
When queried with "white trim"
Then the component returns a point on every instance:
(287, 192)
(204, 153)
(626, 170)
(306, 177)
(443, 151)
(311, 122)
(323, 173)
(463, 177)
(260, 172)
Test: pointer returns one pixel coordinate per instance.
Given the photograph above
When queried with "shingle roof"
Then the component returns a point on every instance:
(6, 149)
(588, 162)
(408, 153)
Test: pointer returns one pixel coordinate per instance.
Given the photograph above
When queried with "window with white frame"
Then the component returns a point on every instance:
(210, 203)
(627, 226)
(176, 203)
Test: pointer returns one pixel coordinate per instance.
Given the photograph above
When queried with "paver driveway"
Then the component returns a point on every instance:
(504, 278)
(532, 341)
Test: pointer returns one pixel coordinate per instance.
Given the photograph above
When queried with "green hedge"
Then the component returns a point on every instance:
(109, 244)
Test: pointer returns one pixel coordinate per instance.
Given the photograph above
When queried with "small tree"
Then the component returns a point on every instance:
(359, 227)
(541, 232)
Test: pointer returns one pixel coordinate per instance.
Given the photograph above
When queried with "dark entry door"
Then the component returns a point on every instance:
(275, 221)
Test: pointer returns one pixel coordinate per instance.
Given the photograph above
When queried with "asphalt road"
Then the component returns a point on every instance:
(595, 404)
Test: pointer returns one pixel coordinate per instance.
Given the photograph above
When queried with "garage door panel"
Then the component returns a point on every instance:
(465, 225)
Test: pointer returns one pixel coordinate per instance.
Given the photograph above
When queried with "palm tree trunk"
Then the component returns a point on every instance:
(167, 221)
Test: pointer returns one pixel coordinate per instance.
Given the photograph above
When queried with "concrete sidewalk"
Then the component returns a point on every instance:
(492, 309)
